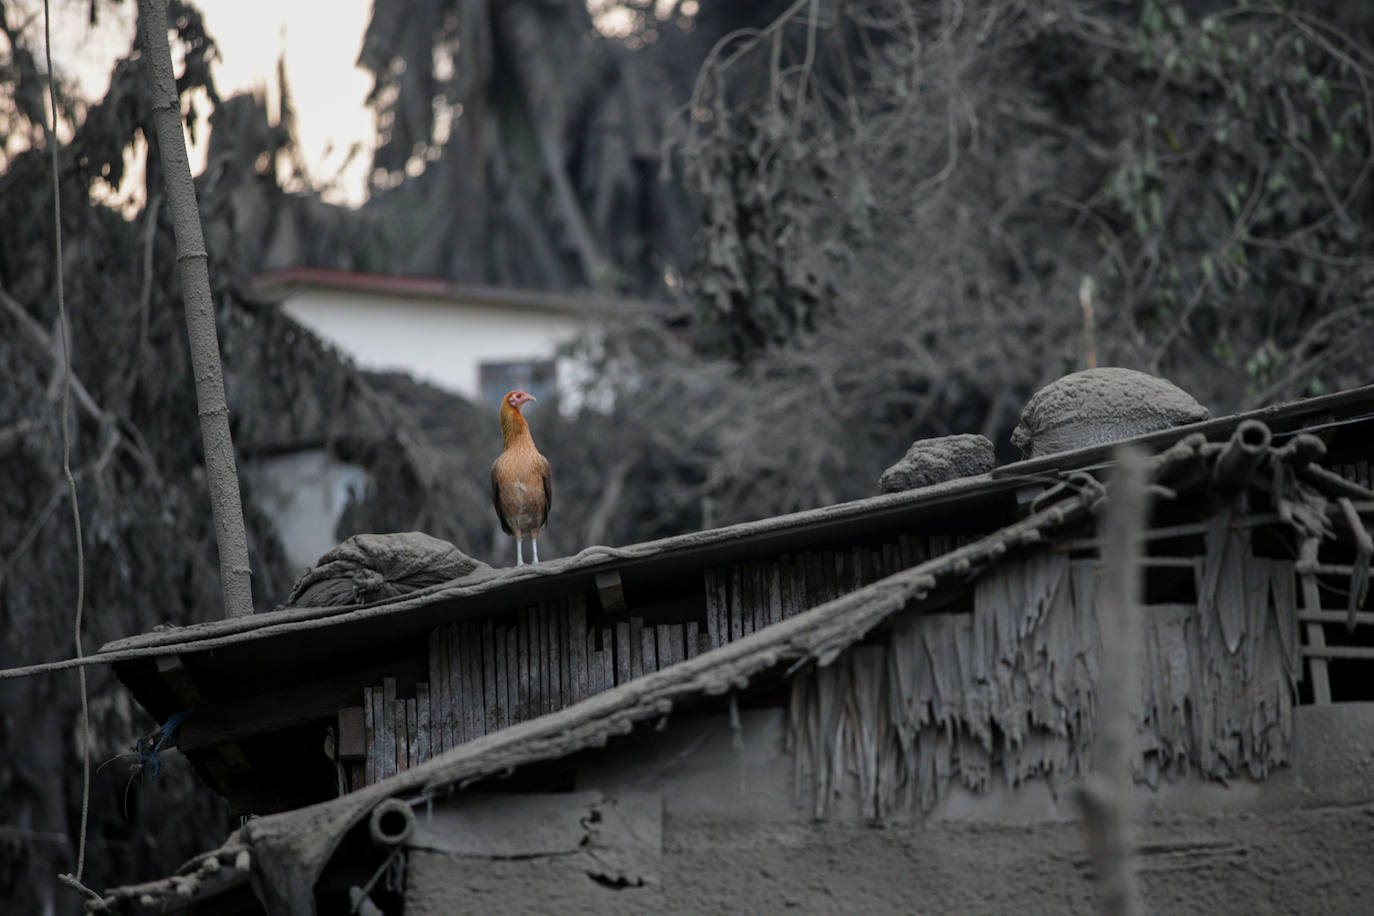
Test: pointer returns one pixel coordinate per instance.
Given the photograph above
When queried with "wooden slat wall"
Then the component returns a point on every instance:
(488, 674)
(1356, 473)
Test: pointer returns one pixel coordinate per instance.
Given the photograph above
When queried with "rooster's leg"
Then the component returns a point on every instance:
(519, 553)
(534, 545)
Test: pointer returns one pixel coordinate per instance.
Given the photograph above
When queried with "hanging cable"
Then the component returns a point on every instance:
(67, 451)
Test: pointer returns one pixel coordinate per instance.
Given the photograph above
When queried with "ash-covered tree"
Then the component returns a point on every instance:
(136, 457)
(907, 206)
(517, 144)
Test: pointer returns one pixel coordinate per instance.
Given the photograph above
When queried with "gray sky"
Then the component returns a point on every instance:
(321, 39)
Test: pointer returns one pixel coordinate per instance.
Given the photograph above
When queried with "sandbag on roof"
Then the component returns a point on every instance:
(1096, 406)
(372, 567)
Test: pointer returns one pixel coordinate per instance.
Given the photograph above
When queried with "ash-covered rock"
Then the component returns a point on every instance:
(1096, 406)
(931, 461)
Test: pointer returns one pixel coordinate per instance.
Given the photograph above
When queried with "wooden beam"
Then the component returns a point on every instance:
(717, 601)
(664, 639)
(513, 698)
(1323, 652)
(1325, 616)
(612, 592)
(412, 732)
(369, 737)
(527, 685)
(501, 678)
(648, 650)
(219, 723)
(536, 665)
(637, 647)
(577, 647)
(387, 732)
(1316, 638)
(623, 660)
(490, 707)
(352, 734)
(424, 740)
(228, 758)
(562, 612)
(739, 613)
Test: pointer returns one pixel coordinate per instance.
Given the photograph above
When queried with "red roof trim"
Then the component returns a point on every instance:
(284, 279)
(348, 279)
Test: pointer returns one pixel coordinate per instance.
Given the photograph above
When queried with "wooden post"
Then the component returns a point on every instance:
(220, 470)
(717, 599)
(370, 738)
(470, 642)
(577, 645)
(352, 734)
(462, 690)
(592, 674)
(412, 731)
(422, 738)
(607, 660)
(229, 757)
(503, 703)
(648, 654)
(436, 677)
(536, 665)
(491, 709)
(389, 730)
(1316, 636)
(1106, 793)
(636, 647)
(612, 592)
(664, 638)
(623, 662)
(773, 576)
(512, 675)
(524, 704)
(403, 720)
(554, 697)
(565, 653)
(738, 612)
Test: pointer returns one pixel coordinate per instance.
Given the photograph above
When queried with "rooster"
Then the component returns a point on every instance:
(521, 483)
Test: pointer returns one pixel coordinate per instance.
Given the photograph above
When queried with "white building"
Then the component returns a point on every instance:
(476, 341)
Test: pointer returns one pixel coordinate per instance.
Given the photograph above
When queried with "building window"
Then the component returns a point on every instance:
(537, 376)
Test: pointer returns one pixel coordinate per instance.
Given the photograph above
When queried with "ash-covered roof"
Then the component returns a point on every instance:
(297, 633)
(290, 850)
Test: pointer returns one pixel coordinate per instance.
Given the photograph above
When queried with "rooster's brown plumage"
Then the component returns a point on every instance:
(521, 483)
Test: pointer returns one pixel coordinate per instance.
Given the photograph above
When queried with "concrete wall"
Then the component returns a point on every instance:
(438, 341)
(726, 835)
(1308, 861)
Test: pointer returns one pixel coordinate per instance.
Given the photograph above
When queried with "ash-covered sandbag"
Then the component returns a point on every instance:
(931, 461)
(1101, 405)
(371, 567)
